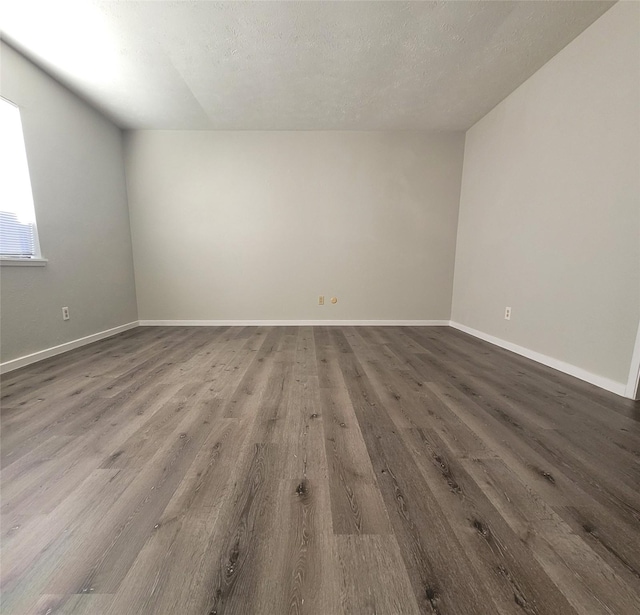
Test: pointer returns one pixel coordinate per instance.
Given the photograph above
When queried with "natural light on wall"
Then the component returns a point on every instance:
(18, 233)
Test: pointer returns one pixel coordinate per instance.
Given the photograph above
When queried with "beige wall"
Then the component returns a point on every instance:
(256, 225)
(550, 206)
(77, 176)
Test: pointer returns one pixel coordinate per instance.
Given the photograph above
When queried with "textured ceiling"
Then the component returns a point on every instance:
(294, 65)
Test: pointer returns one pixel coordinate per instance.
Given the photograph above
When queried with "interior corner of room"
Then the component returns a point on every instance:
(534, 207)
(325, 308)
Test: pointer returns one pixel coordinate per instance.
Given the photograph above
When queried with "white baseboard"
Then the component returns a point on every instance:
(600, 381)
(9, 366)
(294, 323)
(619, 388)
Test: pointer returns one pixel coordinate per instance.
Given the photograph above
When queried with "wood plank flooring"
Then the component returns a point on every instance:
(316, 470)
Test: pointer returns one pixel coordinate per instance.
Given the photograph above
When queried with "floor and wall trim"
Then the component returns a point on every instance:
(627, 389)
(294, 323)
(34, 357)
(619, 388)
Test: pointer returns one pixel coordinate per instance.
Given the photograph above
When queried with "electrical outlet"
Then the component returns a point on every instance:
(507, 313)
(65, 313)
(321, 300)
(334, 299)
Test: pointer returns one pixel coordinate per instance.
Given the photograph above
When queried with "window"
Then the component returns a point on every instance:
(18, 233)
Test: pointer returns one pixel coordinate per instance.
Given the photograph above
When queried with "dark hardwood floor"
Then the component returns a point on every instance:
(318, 470)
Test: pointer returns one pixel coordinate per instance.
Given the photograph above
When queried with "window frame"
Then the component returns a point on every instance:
(36, 259)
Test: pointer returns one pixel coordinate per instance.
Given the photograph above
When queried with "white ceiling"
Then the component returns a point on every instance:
(294, 65)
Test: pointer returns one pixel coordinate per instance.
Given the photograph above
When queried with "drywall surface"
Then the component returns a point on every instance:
(257, 225)
(550, 206)
(77, 175)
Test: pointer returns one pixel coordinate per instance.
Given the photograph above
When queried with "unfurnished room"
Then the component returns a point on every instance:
(319, 307)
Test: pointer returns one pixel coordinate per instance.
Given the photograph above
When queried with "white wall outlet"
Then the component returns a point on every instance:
(334, 300)
(507, 313)
(321, 300)
(65, 313)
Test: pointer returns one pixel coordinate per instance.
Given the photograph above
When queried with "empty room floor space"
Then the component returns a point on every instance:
(318, 470)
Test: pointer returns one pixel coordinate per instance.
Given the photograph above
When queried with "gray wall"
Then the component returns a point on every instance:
(77, 174)
(256, 225)
(550, 206)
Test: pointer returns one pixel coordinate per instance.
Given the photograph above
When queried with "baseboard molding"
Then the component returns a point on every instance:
(9, 366)
(618, 388)
(294, 323)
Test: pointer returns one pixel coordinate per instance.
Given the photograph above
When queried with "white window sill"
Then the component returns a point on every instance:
(23, 262)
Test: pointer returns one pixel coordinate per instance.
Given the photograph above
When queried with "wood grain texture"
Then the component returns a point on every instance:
(314, 470)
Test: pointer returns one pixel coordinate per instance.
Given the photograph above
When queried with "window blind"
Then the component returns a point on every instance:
(16, 238)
